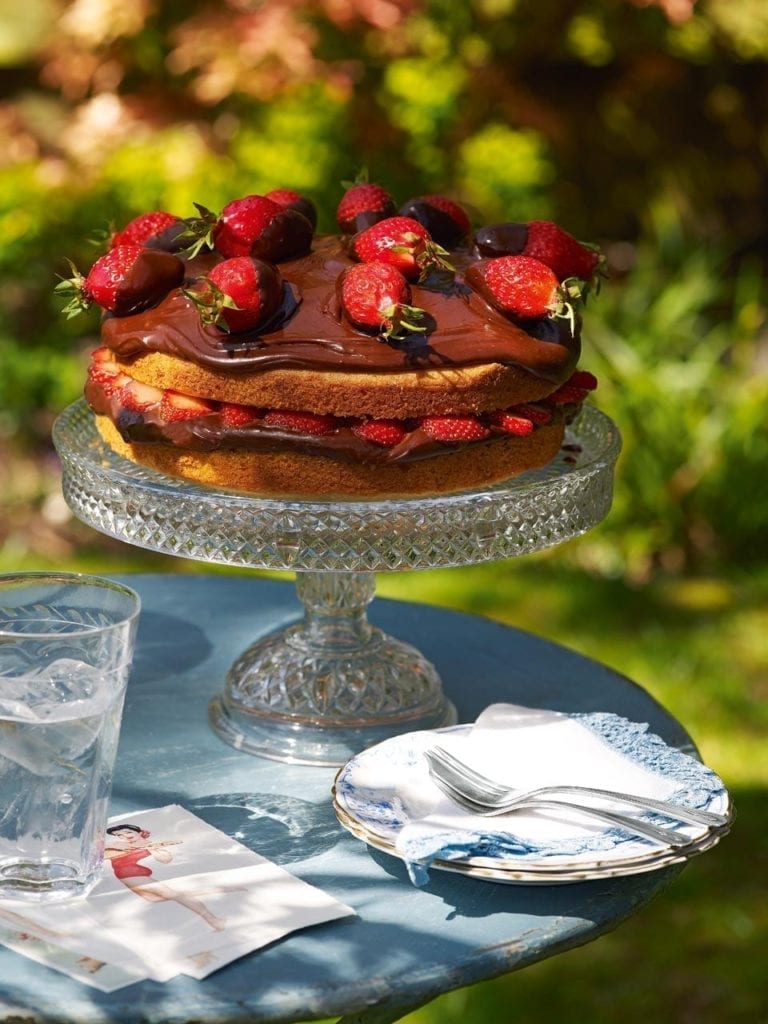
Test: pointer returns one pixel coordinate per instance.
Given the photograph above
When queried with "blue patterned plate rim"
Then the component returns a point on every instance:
(535, 874)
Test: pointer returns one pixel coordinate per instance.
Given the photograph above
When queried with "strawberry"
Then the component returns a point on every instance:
(511, 423)
(155, 230)
(138, 397)
(239, 294)
(362, 205)
(403, 243)
(523, 288)
(233, 415)
(567, 395)
(567, 257)
(538, 414)
(375, 297)
(385, 433)
(583, 379)
(104, 371)
(124, 280)
(176, 407)
(446, 221)
(257, 226)
(286, 197)
(301, 422)
(547, 242)
(102, 364)
(454, 428)
(575, 389)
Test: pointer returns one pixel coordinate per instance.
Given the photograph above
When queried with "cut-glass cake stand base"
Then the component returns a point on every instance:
(325, 688)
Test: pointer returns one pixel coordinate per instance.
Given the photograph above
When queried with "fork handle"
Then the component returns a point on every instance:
(439, 759)
(690, 814)
(665, 836)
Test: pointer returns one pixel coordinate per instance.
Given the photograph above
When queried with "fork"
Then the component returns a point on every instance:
(484, 791)
(663, 836)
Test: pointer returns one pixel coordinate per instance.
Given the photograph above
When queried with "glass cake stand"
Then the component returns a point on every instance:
(331, 685)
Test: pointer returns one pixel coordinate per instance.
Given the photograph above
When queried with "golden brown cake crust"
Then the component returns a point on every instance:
(297, 474)
(468, 389)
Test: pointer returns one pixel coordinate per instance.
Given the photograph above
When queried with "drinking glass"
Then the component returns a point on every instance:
(66, 643)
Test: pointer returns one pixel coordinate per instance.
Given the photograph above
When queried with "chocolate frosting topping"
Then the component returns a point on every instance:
(310, 331)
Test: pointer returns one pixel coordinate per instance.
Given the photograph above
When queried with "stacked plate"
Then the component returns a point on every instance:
(386, 797)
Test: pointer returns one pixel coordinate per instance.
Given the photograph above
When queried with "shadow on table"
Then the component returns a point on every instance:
(167, 645)
(593, 901)
(284, 829)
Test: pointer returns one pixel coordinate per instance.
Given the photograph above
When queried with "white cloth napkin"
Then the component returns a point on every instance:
(525, 748)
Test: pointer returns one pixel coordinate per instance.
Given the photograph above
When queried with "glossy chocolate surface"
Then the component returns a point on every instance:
(310, 331)
(443, 229)
(150, 277)
(501, 239)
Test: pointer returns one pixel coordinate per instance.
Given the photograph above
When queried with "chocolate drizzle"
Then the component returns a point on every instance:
(312, 334)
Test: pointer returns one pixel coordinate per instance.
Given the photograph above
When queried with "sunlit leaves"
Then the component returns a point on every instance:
(504, 172)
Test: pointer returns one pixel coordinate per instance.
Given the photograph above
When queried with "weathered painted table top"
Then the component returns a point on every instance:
(407, 945)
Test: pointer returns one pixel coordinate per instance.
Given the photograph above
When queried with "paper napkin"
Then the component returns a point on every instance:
(177, 896)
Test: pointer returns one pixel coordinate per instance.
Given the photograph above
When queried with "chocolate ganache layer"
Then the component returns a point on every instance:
(309, 331)
(210, 433)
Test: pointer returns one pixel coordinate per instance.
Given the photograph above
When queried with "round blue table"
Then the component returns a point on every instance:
(407, 945)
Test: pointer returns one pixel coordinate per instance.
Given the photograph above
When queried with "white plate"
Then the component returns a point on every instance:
(374, 792)
(497, 871)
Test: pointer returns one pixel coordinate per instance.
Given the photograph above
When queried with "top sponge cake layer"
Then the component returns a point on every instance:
(310, 334)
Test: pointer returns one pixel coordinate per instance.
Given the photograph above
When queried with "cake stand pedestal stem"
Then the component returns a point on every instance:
(335, 606)
(328, 686)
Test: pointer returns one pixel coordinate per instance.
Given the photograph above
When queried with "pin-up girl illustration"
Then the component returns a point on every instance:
(128, 845)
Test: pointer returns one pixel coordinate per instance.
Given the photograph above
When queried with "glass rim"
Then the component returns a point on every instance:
(70, 578)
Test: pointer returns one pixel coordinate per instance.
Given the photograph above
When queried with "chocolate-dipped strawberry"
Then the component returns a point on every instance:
(257, 226)
(125, 280)
(240, 294)
(446, 221)
(524, 288)
(291, 200)
(154, 230)
(506, 239)
(403, 243)
(362, 205)
(545, 241)
(251, 226)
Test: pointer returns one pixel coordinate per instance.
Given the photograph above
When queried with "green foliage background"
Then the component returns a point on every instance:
(640, 124)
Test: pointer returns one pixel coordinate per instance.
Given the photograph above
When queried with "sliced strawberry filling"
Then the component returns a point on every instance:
(169, 406)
